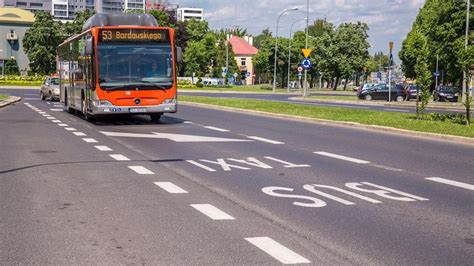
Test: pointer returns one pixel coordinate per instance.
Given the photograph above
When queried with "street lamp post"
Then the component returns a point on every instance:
(464, 87)
(289, 51)
(305, 86)
(276, 45)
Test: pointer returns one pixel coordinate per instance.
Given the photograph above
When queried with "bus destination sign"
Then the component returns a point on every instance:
(133, 35)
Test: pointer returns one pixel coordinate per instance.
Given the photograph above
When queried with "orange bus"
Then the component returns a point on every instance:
(119, 64)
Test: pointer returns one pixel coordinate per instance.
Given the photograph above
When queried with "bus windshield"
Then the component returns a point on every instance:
(135, 65)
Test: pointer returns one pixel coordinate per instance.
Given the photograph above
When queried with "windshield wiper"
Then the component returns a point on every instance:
(155, 85)
(128, 86)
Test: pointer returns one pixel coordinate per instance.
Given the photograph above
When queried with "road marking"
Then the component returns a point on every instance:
(32, 99)
(51, 118)
(265, 140)
(56, 109)
(277, 250)
(141, 170)
(70, 129)
(63, 125)
(89, 140)
(451, 182)
(217, 129)
(201, 165)
(172, 137)
(397, 110)
(102, 148)
(188, 122)
(287, 164)
(341, 157)
(212, 212)
(119, 157)
(48, 103)
(45, 115)
(170, 188)
(79, 134)
(56, 121)
(41, 112)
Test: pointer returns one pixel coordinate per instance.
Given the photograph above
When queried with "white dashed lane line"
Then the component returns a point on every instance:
(265, 140)
(451, 182)
(51, 118)
(70, 129)
(79, 134)
(217, 129)
(170, 188)
(63, 125)
(56, 121)
(277, 250)
(341, 157)
(141, 170)
(103, 148)
(89, 140)
(56, 109)
(119, 157)
(212, 212)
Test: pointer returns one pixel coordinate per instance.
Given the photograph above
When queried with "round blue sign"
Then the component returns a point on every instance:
(306, 63)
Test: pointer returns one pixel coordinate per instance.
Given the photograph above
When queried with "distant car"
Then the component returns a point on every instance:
(380, 92)
(365, 87)
(446, 93)
(471, 92)
(412, 91)
(50, 88)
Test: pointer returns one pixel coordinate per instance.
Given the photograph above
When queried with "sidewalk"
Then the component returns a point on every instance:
(9, 100)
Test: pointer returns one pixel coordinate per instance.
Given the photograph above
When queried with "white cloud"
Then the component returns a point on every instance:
(388, 20)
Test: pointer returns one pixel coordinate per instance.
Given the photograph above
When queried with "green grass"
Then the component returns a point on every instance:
(3, 97)
(20, 83)
(367, 117)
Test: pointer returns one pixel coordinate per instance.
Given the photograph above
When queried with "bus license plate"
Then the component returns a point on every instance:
(137, 110)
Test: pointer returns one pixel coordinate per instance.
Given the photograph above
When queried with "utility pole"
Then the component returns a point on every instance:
(305, 86)
(289, 53)
(437, 73)
(226, 59)
(390, 73)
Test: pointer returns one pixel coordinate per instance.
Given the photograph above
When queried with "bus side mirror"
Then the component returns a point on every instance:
(179, 54)
(89, 46)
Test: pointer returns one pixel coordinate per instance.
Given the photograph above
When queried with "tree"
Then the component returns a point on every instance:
(419, 44)
(262, 38)
(40, 43)
(196, 29)
(199, 56)
(75, 27)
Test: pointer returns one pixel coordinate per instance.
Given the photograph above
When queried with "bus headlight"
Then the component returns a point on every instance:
(169, 101)
(105, 103)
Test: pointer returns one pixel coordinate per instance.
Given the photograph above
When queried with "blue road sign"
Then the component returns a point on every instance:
(247, 74)
(436, 74)
(306, 63)
(379, 75)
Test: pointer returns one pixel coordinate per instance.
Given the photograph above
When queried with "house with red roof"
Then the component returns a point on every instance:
(244, 52)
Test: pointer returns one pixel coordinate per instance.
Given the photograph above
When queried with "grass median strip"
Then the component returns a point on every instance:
(3, 97)
(366, 117)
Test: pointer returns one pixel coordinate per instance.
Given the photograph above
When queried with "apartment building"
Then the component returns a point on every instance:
(29, 5)
(187, 13)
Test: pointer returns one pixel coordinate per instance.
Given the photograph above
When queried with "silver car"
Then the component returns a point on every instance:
(50, 89)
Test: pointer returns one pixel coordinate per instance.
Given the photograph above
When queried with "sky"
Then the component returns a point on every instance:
(388, 20)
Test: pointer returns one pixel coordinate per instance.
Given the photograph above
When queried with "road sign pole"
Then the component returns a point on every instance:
(305, 86)
(390, 74)
(437, 73)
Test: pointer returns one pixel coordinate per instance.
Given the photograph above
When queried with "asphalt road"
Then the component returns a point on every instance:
(288, 98)
(216, 187)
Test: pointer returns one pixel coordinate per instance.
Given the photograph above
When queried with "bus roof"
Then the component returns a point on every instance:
(103, 19)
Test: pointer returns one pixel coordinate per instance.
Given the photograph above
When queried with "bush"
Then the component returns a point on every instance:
(266, 87)
(199, 83)
(11, 68)
(455, 118)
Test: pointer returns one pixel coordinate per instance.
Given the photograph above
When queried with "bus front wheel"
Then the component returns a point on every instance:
(87, 116)
(155, 117)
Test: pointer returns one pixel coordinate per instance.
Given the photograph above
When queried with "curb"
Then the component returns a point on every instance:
(9, 100)
(374, 104)
(407, 133)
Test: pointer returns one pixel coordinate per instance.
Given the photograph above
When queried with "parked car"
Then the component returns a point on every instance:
(446, 93)
(365, 87)
(50, 88)
(380, 92)
(412, 91)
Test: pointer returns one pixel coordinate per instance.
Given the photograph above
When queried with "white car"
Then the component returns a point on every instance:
(50, 89)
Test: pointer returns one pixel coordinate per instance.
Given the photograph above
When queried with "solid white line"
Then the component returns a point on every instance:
(170, 188)
(103, 148)
(212, 212)
(217, 129)
(70, 129)
(141, 170)
(265, 140)
(63, 125)
(56, 121)
(89, 140)
(397, 110)
(341, 157)
(79, 134)
(277, 250)
(119, 157)
(451, 182)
